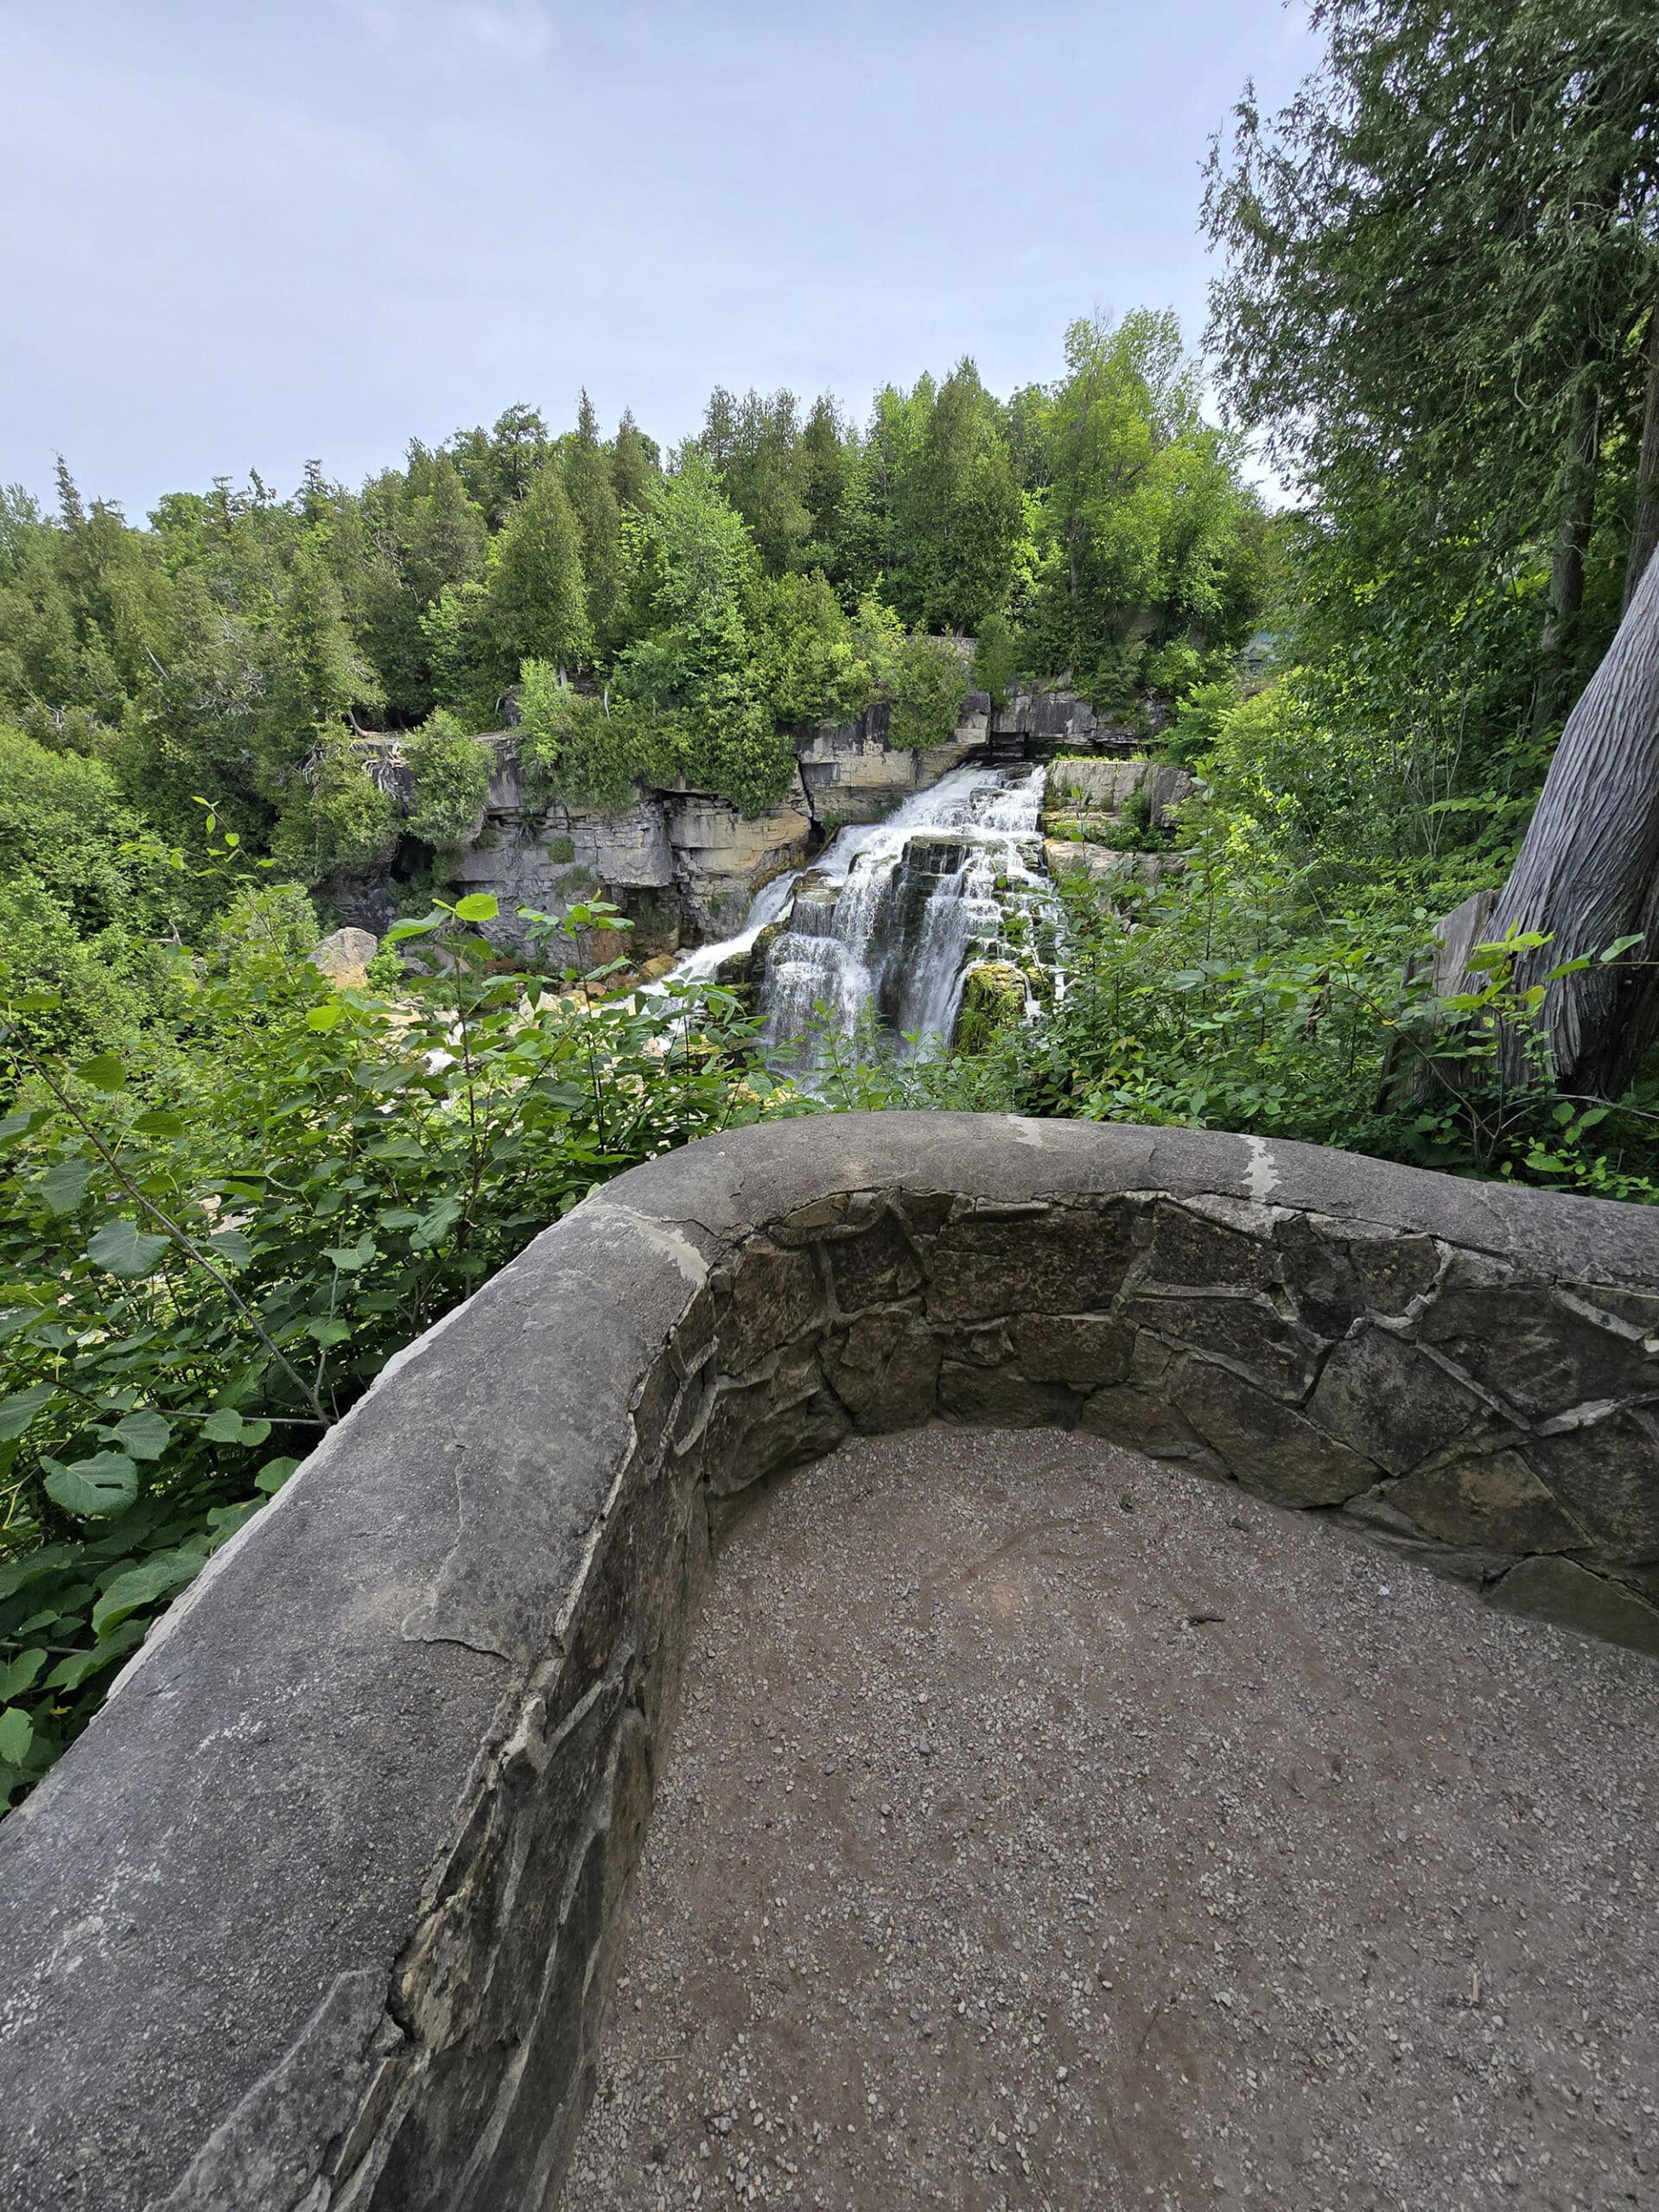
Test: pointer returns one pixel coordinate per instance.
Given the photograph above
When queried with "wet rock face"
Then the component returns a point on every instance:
(851, 774)
(426, 1689)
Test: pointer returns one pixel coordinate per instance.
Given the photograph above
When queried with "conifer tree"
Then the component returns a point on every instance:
(538, 598)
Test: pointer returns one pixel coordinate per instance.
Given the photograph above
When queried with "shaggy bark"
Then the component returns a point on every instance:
(1586, 871)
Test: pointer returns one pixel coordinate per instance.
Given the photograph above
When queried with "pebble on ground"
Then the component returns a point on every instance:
(1046, 1829)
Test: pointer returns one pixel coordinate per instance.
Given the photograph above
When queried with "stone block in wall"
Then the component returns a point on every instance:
(1003, 1396)
(772, 1298)
(1533, 1349)
(1191, 1247)
(1238, 1325)
(1046, 1260)
(874, 1267)
(884, 1367)
(1560, 1591)
(1606, 1475)
(1343, 1269)
(1492, 1499)
(1270, 1448)
(782, 1421)
(1085, 1351)
(1387, 1398)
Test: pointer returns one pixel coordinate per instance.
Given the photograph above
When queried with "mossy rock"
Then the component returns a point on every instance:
(993, 1000)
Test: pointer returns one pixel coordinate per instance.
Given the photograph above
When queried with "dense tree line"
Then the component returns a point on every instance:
(782, 567)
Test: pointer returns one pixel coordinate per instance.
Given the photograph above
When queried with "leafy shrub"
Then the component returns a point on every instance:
(588, 750)
(335, 816)
(452, 780)
(203, 1266)
(996, 657)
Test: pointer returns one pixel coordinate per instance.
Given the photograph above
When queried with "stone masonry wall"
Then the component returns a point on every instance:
(322, 1911)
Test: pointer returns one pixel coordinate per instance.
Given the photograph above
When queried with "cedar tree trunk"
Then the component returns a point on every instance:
(1586, 871)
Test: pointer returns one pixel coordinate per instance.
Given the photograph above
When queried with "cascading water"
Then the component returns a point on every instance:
(887, 917)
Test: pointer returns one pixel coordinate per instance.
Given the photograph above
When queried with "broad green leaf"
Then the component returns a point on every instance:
(400, 932)
(16, 1735)
(352, 1256)
(17, 1676)
(434, 1227)
(37, 1001)
(62, 1188)
(231, 1244)
(17, 1413)
(34, 1566)
(145, 1434)
(106, 1484)
(224, 1426)
(158, 1577)
(13, 1125)
(69, 1674)
(160, 1124)
(480, 906)
(104, 1073)
(124, 1249)
(326, 1331)
(324, 1018)
(275, 1473)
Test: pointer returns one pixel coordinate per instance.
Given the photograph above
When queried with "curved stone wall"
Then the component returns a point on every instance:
(321, 1911)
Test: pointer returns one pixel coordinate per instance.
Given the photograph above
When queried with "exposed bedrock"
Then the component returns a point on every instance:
(320, 1910)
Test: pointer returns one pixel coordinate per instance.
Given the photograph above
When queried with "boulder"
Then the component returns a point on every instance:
(344, 957)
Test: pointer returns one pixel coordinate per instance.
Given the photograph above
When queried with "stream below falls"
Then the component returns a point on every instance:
(886, 922)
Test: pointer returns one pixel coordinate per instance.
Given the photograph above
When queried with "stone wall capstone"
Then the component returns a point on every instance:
(322, 1911)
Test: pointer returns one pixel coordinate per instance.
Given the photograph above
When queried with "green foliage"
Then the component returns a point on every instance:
(697, 658)
(996, 657)
(814, 666)
(1146, 531)
(1463, 395)
(451, 771)
(64, 823)
(336, 819)
(460, 654)
(926, 680)
(202, 1266)
(588, 751)
(590, 483)
(538, 586)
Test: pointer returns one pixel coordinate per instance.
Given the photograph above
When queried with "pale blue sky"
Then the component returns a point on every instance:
(236, 234)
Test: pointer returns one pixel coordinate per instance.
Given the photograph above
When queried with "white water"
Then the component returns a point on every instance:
(837, 953)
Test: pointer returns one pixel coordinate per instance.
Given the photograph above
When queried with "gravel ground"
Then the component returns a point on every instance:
(1042, 1829)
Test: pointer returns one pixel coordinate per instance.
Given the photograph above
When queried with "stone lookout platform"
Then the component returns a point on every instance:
(1040, 1829)
(1275, 1837)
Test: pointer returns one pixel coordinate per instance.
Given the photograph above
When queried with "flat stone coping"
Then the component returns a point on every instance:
(321, 1910)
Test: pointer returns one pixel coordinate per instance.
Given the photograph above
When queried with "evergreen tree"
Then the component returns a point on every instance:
(636, 464)
(538, 599)
(957, 510)
(1441, 264)
(589, 479)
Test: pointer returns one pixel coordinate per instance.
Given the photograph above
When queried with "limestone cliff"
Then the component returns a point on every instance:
(682, 865)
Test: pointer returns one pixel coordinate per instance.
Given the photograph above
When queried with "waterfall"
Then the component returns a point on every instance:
(888, 916)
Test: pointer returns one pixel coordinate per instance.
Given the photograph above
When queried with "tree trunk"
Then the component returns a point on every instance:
(1644, 526)
(1573, 525)
(1586, 873)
